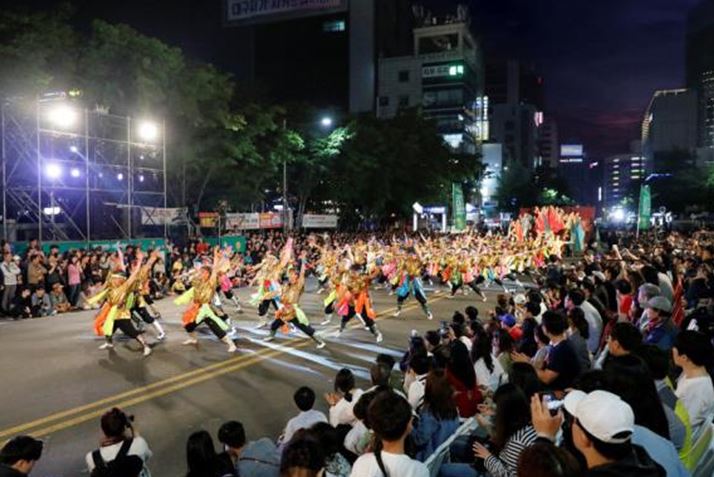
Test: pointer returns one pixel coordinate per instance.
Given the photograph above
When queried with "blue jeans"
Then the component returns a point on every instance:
(458, 470)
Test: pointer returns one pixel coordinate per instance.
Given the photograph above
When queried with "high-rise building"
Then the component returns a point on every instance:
(549, 143)
(443, 76)
(515, 93)
(623, 175)
(669, 124)
(319, 51)
(700, 68)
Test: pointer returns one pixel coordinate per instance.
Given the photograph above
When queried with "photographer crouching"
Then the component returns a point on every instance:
(122, 451)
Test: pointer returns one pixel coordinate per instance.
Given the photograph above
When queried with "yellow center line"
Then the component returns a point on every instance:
(160, 388)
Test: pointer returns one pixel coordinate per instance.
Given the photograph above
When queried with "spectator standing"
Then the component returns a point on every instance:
(390, 416)
(36, 271)
(19, 456)
(74, 279)
(10, 272)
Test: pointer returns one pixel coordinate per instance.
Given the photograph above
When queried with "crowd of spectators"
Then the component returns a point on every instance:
(602, 367)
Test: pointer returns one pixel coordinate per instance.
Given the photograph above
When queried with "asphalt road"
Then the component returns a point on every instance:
(56, 383)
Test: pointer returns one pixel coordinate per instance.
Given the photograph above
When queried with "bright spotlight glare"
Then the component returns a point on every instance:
(75, 172)
(53, 171)
(63, 116)
(326, 121)
(120, 176)
(141, 178)
(618, 215)
(51, 210)
(73, 149)
(148, 131)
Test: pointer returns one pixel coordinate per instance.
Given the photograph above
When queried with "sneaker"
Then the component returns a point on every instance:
(484, 298)
(262, 324)
(430, 316)
(321, 345)
(397, 313)
(161, 337)
(147, 351)
(380, 338)
(391, 292)
(269, 338)
(190, 341)
(107, 346)
(326, 321)
(232, 347)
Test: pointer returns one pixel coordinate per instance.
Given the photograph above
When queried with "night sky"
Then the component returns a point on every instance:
(601, 60)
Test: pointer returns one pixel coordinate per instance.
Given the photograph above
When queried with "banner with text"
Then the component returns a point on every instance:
(241, 10)
(239, 221)
(208, 219)
(270, 220)
(317, 221)
(458, 206)
(162, 216)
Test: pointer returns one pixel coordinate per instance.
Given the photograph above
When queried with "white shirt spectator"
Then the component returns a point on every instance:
(139, 448)
(304, 420)
(10, 271)
(594, 326)
(415, 396)
(491, 379)
(697, 395)
(395, 465)
(341, 412)
(467, 341)
(354, 440)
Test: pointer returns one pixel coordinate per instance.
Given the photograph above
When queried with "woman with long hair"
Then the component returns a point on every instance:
(512, 433)
(489, 372)
(438, 416)
(343, 399)
(202, 459)
(462, 377)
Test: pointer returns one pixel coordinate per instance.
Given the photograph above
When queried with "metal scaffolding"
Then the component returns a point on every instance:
(69, 173)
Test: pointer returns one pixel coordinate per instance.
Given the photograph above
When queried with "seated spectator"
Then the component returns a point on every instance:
(680, 430)
(41, 304)
(21, 304)
(622, 340)
(438, 416)
(543, 459)
(58, 299)
(503, 345)
(257, 458)
(359, 437)
(302, 457)
(396, 378)
(19, 455)
(417, 372)
(576, 298)
(489, 373)
(461, 376)
(523, 375)
(602, 430)
(304, 399)
(390, 416)
(512, 433)
(120, 441)
(329, 438)
(561, 366)
(509, 323)
(659, 330)
(343, 399)
(693, 353)
(578, 333)
(202, 459)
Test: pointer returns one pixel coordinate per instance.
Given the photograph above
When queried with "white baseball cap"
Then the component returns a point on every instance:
(602, 414)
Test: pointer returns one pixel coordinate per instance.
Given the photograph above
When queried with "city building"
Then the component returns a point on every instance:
(492, 160)
(622, 176)
(516, 100)
(443, 76)
(669, 124)
(549, 143)
(574, 167)
(700, 68)
(319, 51)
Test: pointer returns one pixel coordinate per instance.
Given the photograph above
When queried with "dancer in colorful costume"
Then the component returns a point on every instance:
(200, 301)
(410, 283)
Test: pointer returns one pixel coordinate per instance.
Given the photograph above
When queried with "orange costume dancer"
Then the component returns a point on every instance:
(115, 313)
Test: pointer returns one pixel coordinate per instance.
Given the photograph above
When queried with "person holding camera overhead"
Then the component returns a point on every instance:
(122, 451)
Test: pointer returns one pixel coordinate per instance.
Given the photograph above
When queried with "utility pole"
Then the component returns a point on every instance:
(286, 215)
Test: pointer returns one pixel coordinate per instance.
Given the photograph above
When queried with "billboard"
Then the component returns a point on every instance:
(251, 11)
(571, 150)
(317, 221)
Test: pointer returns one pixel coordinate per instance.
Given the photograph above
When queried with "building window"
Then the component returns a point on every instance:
(384, 100)
(333, 26)
(404, 76)
(404, 101)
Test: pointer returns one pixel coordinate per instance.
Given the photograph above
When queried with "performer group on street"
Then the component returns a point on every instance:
(345, 272)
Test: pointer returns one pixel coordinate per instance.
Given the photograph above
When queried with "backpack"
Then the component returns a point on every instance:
(123, 465)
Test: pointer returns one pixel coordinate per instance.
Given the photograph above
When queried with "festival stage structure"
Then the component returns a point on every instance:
(73, 173)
